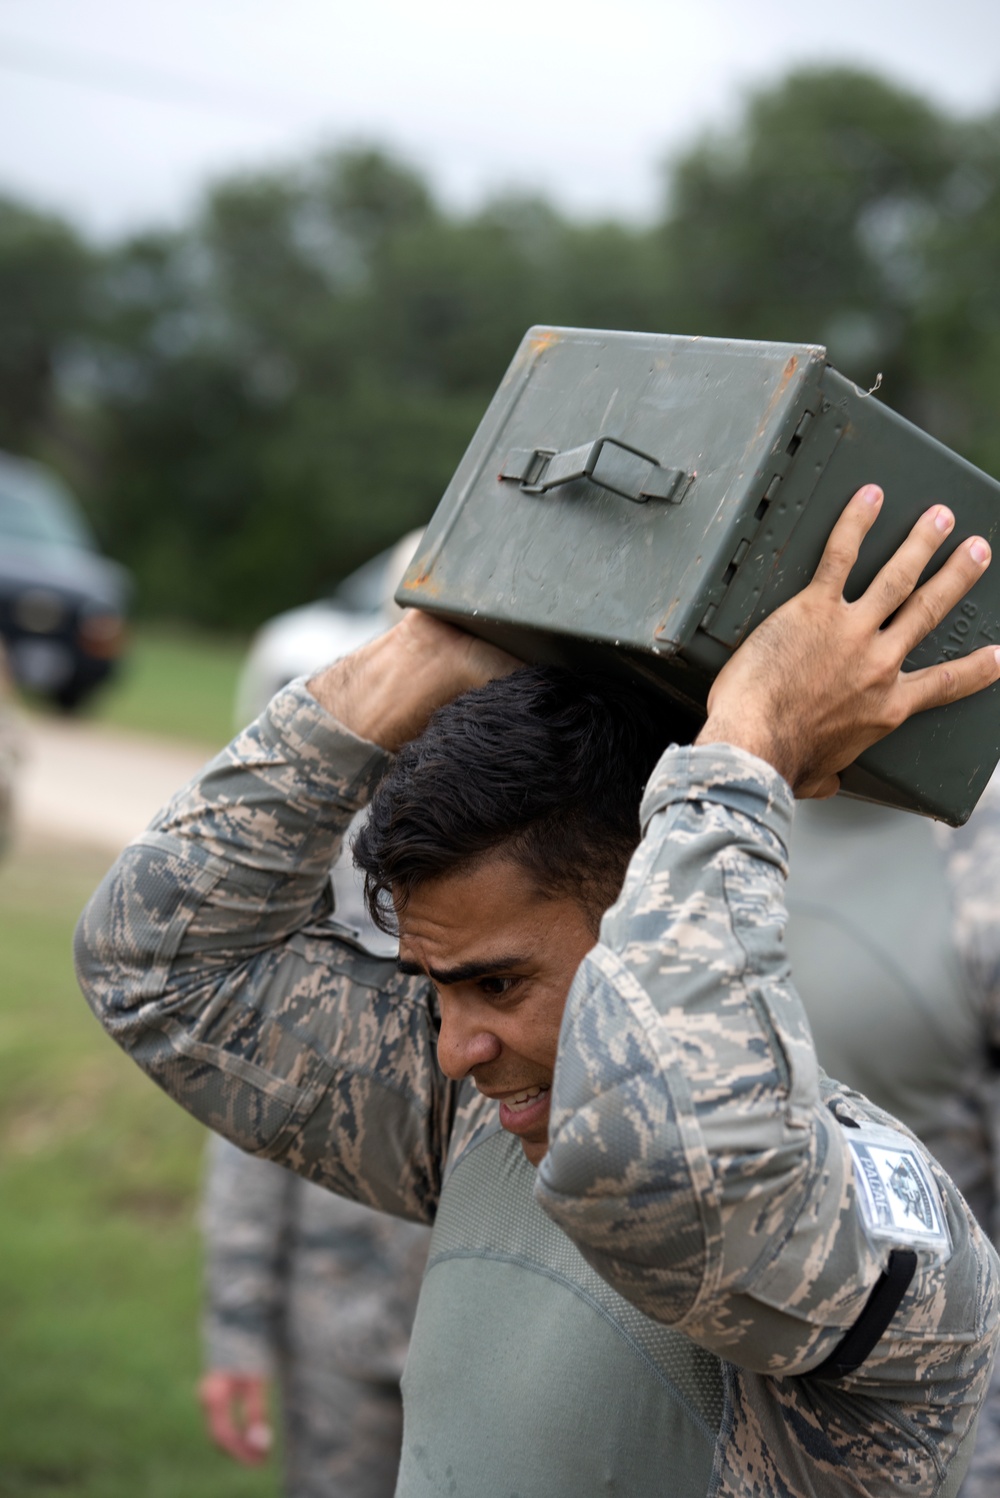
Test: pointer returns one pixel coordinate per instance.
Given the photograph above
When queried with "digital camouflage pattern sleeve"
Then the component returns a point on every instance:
(209, 954)
(696, 1159)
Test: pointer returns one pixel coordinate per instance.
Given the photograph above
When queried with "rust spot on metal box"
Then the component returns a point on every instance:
(661, 631)
(545, 340)
(777, 393)
(423, 581)
(529, 350)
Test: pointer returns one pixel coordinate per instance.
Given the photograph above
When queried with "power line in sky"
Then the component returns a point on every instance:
(136, 80)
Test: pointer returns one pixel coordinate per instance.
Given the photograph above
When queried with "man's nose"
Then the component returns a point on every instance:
(463, 1043)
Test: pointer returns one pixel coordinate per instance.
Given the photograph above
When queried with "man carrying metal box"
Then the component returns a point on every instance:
(668, 1256)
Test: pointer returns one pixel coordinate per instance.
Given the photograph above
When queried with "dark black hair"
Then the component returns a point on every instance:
(547, 764)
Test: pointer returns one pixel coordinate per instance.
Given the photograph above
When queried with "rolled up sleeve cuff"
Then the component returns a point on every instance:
(721, 775)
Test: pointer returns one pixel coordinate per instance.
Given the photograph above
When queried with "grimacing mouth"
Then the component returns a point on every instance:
(522, 1099)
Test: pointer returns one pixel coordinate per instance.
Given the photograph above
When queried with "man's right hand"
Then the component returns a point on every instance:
(235, 1409)
(386, 691)
(821, 679)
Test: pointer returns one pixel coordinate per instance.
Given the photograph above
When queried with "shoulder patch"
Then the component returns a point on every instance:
(897, 1196)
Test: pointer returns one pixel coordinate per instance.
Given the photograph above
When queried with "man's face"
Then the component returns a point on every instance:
(502, 958)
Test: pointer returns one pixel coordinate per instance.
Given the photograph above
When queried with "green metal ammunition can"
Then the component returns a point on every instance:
(639, 502)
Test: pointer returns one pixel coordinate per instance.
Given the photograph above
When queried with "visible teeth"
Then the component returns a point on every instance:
(522, 1099)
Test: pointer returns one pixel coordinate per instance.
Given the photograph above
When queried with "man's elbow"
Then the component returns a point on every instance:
(110, 966)
(623, 1192)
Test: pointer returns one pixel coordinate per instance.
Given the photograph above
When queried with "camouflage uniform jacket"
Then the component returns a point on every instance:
(696, 1160)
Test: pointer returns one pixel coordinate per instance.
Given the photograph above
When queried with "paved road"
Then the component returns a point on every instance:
(87, 783)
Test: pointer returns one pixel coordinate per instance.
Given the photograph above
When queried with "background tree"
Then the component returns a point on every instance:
(957, 348)
(810, 221)
(252, 450)
(44, 271)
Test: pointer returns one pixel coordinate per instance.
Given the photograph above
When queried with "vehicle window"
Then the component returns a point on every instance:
(34, 510)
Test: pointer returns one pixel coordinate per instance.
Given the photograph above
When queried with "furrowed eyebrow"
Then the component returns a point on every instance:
(465, 972)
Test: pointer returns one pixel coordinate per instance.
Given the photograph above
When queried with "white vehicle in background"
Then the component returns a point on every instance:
(298, 643)
(302, 640)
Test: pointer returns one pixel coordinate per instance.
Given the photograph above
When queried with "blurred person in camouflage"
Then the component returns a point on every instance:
(303, 1287)
(674, 1257)
(894, 939)
(317, 1293)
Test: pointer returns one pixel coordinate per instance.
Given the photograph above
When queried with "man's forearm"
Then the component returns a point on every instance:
(724, 1187)
(698, 1160)
(386, 691)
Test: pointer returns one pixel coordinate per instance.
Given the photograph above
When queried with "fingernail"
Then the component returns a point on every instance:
(996, 656)
(979, 550)
(944, 520)
(872, 495)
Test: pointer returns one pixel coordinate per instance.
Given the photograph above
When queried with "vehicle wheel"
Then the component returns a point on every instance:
(69, 697)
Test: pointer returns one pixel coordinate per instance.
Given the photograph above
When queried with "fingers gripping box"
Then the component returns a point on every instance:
(639, 502)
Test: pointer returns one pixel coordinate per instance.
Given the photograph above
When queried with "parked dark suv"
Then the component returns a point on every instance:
(62, 604)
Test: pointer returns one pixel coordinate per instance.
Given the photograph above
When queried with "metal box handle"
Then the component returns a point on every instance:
(538, 469)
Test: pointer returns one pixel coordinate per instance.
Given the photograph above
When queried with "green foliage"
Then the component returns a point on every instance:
(99, 1179)
(43, 285)
(958, 321)
(811, 221)
(254, 404)
(264, 428)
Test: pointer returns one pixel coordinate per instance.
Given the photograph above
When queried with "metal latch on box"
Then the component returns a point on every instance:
(606, 461)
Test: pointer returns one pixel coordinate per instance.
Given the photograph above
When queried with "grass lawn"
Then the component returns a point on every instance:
(174, 681)
(98, 1178)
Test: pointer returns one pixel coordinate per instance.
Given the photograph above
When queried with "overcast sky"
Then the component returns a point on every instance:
(117, 112)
